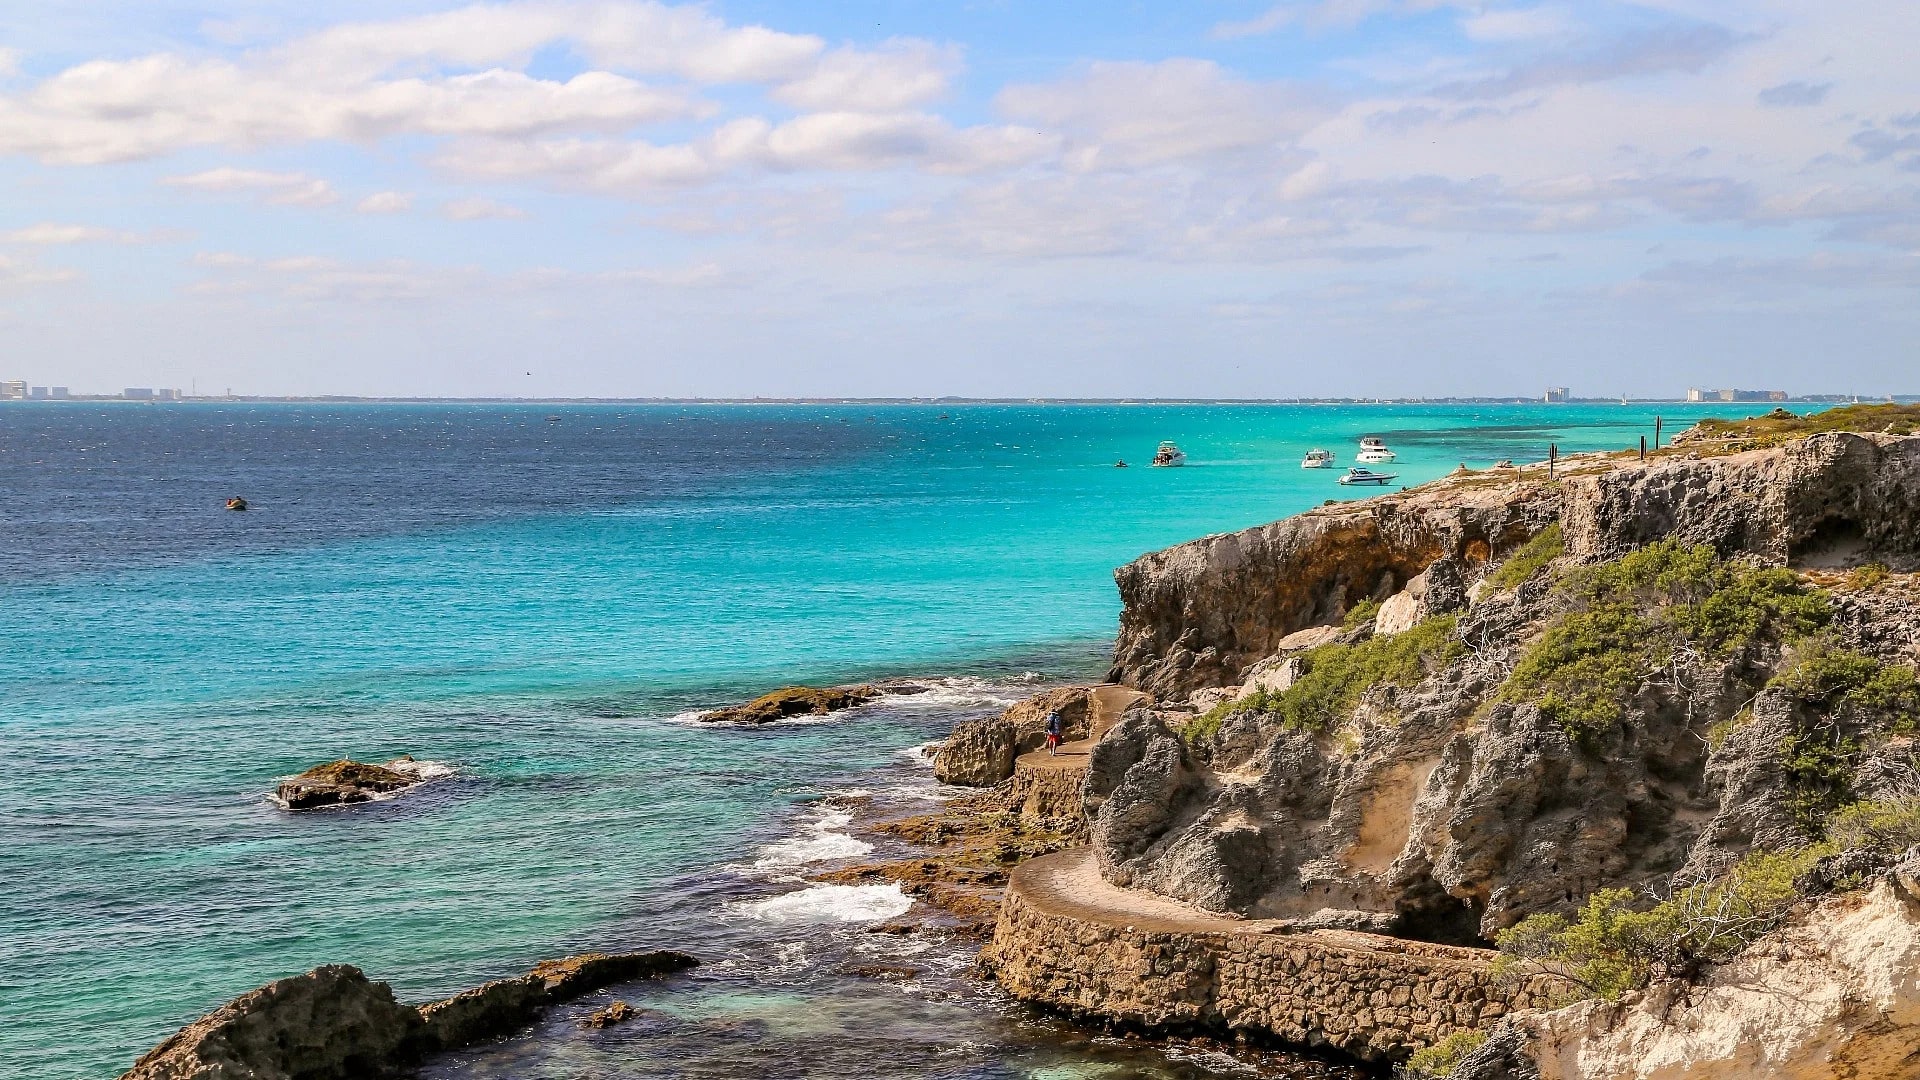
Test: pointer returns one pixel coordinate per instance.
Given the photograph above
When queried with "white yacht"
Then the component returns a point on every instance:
(1317, 459)
(1373, 451)
(1169, 456)
(1358, 476)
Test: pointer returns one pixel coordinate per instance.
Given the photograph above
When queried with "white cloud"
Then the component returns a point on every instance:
(1324, 14)
(1125, 115)
(385, 202)
(479, 209)
(18, 272)
(278, 188)
(901, 74)
(49, 233)
(1517, 24)
(9, 62)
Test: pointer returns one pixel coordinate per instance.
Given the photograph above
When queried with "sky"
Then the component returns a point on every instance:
(1217, 198)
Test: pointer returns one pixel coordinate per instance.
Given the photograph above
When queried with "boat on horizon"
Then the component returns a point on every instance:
(1357, 476)
(1169, 456)
(1317, 459)
(1373, 451)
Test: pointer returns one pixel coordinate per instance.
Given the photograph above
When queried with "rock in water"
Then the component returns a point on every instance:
(329, 1024)
(794, 701)
(339, 782)
(617, 1013)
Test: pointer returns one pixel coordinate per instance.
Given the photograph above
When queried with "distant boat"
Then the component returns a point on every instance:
(1373, 451)
(553, 419)
(1357, 476)
(1317, 459)
(236, 503)
(1169, 456)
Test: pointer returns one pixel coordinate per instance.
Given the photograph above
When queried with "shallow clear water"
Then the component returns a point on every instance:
(534, 602)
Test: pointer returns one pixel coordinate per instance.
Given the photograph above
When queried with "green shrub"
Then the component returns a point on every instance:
(1866, 577)
(1889, 826)
(1609, 947)
(1630, 616)
(1438, 1061)
(1361, 614)
(1334, 676)
(1819, 768)
(1547, 545)
(1826, 677)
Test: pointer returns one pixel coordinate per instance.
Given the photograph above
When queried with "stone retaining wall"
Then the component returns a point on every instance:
(1375, 998)
(1049, 793)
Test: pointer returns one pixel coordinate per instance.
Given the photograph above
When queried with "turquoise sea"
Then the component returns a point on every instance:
(537, 596)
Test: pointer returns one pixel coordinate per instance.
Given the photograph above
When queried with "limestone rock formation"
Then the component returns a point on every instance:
(1444, 800)
(342, 782)
(1200, 614)
(794, 701)
(1833, 996)
(334, 1024)
(980, 753)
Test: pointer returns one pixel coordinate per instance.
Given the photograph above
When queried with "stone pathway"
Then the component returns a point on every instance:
(1110, 702)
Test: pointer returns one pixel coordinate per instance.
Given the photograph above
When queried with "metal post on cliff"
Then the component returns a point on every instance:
(1656, 433)
(1553, 455)
(1643, 448)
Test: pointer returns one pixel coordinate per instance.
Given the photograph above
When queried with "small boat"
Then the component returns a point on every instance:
(1373, 451)
(1169, 456)
(236, 503)
(1121, 464)
(553, 419)
(1317, 459)
(1356, 476)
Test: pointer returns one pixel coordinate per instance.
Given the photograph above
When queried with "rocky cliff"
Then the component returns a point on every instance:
(1438, 713)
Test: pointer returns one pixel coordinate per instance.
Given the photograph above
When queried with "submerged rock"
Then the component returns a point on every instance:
(340, 782)
(794, 701)
(617, 1013)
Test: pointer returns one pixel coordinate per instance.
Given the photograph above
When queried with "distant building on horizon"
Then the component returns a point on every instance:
(166, 395)
(13, 389)
(1557, 394)
(38, 393)
(59, 393)
(1695, 393)
(138, 393)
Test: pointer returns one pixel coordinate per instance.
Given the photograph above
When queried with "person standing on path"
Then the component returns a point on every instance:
(1054, 728)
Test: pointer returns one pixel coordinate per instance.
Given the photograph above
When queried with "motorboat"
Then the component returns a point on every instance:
(236, 503)
(1317, 459)
(1357, 476)
(1169, 456)
(1373, 451)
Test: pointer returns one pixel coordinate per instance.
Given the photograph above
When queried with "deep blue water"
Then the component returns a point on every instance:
(535, 603)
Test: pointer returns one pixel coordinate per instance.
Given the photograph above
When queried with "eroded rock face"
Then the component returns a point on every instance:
(504, 1005)
(980, 753)
(330, 1024)
(1836, 499)
(343, 782)
(1200, 614)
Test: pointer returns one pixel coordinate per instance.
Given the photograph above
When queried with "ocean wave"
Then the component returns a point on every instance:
(820, 841)
(831, 904)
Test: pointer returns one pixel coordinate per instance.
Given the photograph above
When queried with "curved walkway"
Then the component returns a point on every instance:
(1110, 702)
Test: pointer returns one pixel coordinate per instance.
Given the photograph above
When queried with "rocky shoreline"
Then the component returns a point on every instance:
(1508, 776)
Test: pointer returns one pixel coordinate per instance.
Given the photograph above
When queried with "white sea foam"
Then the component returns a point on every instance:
(820, 840)
(831, 904)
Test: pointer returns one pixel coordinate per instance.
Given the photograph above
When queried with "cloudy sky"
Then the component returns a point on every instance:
(884, 197)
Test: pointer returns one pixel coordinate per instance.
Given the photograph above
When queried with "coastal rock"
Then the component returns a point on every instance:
(334, 1024)
(1200, 614)
(504, 1005)
(341, 782)
(617, 1013)
(980, 752)
(1832, 996)
(793, 701)
(329, 1024)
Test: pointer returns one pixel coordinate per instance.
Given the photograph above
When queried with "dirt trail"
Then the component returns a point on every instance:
(1110, 702)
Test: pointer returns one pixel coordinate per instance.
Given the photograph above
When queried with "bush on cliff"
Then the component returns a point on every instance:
(1826, 677)
(1547, 545)
(1333, 678)
(1634, 616)
(1437, 1062)
(1614, 945)
(1838, 690)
